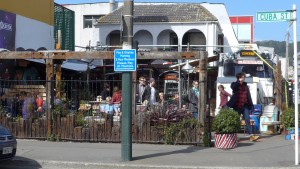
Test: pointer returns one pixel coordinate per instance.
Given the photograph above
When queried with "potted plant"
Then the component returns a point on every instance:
(288, 121)
(226, 125)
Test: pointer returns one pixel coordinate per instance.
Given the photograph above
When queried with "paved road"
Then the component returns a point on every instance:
(269, 151)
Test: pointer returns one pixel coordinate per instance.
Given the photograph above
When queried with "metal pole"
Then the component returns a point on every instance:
(126, 136)
(179, 75)
(296, 85)
(287, 52)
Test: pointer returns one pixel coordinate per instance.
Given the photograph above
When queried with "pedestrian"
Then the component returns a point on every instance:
(116, 101)
(105, 92)
(39, 103)
(153, 92)
(28, 107)
(162, 104)
(241, 101)
(142, 93)
(223, 96)
(193, 98)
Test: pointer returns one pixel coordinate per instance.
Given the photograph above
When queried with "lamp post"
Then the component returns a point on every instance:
(188, 69)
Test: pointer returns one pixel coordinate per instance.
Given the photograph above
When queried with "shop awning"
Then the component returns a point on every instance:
(76, 65)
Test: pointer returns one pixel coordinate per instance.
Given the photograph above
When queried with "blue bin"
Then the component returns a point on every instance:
(256, 120)
(288, 137)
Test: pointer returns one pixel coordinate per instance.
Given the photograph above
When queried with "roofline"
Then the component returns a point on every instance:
(149, 2)
(87, 3)
(97, 24)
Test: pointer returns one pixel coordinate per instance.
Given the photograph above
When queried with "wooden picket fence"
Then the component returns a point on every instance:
(64, 129)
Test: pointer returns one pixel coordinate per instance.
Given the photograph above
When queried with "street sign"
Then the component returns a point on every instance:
(124, 60)
(277, 16)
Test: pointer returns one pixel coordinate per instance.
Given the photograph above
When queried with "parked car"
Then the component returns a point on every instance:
(8, 144)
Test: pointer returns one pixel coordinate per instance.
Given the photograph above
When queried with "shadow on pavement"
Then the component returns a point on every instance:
(20, 162)
(244, 144)
(189, 149)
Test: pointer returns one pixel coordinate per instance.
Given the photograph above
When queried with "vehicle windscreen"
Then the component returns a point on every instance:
(232, 68)
(4, 131)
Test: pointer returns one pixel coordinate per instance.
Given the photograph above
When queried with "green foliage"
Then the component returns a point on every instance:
(51, 137)
(279, 47)
(18, 118)
(288, 118)
(54, 137)
(180, 130)
(60, 110)
(79, 120)
(227, 121)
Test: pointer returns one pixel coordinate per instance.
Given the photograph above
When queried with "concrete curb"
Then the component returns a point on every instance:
(75, 165)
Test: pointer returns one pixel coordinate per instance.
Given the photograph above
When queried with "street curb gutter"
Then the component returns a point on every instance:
(48, 163)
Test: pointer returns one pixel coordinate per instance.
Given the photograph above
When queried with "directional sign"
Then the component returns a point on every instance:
(277, 16)
(125, 60)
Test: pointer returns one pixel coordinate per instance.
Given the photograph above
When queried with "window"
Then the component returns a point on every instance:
(89, 20)
(257, 70)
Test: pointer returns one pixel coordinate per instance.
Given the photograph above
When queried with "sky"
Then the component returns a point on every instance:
(262, 30)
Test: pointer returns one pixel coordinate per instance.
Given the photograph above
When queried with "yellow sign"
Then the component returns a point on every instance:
(247, 53)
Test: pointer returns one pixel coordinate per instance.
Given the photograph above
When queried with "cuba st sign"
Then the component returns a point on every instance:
(278, 16)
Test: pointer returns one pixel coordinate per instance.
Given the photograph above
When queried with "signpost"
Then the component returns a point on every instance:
(125, 60)
(280, 16)
(276, 16)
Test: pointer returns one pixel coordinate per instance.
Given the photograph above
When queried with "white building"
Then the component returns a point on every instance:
(86, 15)
(204, 25)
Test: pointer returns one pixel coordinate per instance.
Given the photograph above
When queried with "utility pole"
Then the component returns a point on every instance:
(287, 52)
(126, 130)
(202, 88)
(49, 96)
(296, 85)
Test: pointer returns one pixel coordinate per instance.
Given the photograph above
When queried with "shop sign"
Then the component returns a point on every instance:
(7, 30)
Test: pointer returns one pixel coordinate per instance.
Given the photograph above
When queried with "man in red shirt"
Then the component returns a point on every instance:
(241, 101)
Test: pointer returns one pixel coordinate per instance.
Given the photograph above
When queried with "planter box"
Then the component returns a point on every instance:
(226, 141)
(290, 134)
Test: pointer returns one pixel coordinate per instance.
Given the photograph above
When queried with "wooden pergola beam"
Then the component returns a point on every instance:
(98, 55)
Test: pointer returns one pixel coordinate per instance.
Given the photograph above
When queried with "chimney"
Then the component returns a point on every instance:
(111, 6)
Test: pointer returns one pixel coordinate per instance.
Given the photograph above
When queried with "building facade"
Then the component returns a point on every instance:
(27, 28)
(205, 27)
(86, 16)
(243, 27)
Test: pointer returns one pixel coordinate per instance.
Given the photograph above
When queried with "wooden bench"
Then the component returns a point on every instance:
(271, 126)
(252, 123)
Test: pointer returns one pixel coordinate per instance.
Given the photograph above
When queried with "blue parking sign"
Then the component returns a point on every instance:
(124, 60)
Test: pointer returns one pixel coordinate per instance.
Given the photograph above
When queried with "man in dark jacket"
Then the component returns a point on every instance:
(142, 91)
(241, 101)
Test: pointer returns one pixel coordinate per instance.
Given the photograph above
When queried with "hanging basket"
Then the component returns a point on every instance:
(226, 141)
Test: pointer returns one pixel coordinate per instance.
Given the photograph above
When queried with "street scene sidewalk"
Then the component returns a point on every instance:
(270, 151)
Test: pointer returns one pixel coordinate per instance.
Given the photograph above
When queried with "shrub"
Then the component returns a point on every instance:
(227, 121)
(288, 118)
(79, 120)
